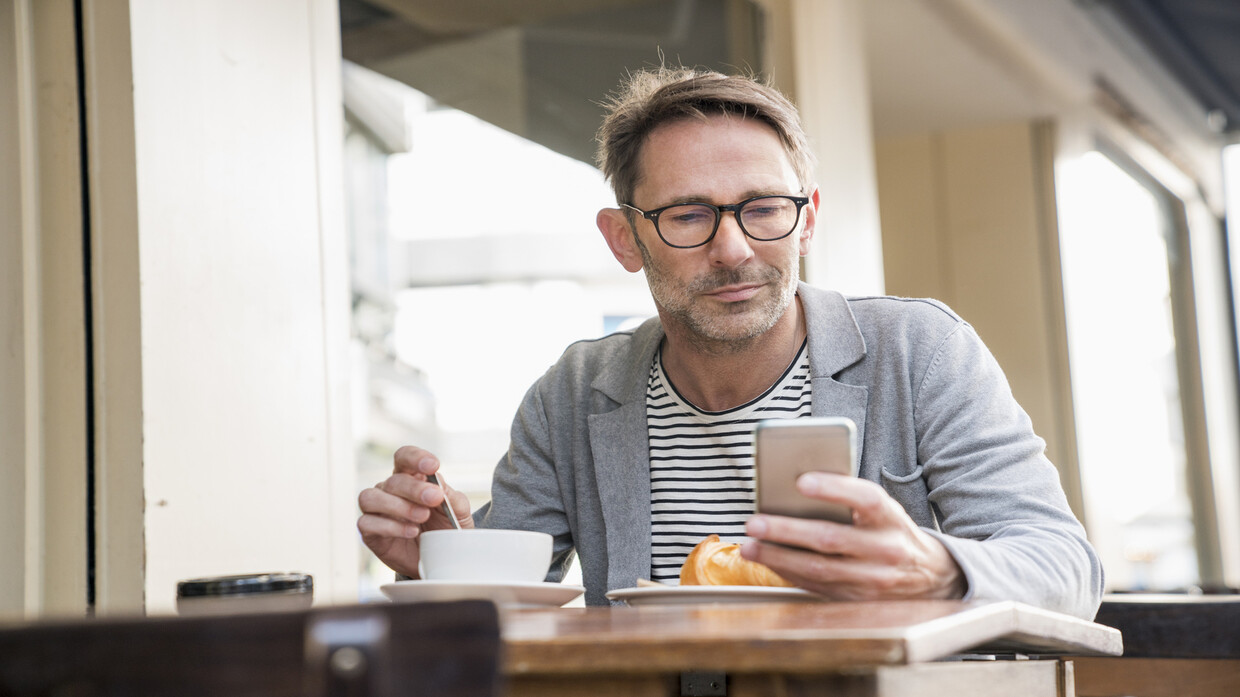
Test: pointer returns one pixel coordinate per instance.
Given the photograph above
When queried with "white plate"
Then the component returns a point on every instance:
(508, 594)
(691, 595)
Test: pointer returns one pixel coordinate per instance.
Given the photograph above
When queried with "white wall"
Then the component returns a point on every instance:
(236, 131)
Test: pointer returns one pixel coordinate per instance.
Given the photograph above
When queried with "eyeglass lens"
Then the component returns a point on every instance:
(766, 218)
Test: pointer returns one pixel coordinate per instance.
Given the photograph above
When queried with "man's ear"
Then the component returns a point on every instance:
(811, 220)
(614, 224)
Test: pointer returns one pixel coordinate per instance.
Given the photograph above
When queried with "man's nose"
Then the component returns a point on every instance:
(730, 246)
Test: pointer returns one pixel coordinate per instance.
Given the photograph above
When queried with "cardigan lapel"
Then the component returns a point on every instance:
(620, 447)
(835, 342)
(832, 398)
(622, 468)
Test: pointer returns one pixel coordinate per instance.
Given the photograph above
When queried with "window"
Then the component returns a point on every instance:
(472, 196)
(1120, 252)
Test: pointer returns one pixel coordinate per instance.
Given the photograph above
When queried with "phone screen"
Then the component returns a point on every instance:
(784, 449)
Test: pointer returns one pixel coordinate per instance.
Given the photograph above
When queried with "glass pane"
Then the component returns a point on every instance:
(472, 196)
(1126, 389)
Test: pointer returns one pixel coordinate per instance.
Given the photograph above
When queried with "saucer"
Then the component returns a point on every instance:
(507, 594)
(697, 595)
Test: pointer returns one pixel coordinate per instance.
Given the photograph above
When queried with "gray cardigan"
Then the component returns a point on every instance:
(937, 425)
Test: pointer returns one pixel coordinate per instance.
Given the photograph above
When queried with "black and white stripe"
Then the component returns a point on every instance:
(701, 463)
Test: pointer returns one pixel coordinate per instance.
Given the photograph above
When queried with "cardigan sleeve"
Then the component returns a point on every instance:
(525, 492)
(1001, 509)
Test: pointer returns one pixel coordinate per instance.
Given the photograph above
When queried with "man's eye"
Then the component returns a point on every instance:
(763, 211)
(690, 216)
(766, 209)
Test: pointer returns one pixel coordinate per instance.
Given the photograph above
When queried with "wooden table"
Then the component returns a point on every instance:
(879, 648)
(467, 648)
(1175, 645)
(378, 650)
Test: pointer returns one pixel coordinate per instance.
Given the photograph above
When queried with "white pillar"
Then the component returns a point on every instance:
(832, 91)
(221, 292)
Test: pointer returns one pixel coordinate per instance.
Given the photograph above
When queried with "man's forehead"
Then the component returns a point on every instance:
(691, 125)
(738, 130)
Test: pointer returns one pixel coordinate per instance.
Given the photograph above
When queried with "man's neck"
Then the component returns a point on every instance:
(717, 377)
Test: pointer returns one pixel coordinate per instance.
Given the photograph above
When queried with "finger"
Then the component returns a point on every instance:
(382, 503)
(414, 489)
(823, 536)
(852, 579)
(836, 577)
(374, 527)
(838, 488)
(411, 459)
(868, 500)
(460, 502)
(460, 506)
(890, 545)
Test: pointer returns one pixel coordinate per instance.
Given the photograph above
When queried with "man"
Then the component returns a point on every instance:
(634, 446)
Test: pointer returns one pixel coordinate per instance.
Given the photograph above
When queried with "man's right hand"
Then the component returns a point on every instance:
(396, 510)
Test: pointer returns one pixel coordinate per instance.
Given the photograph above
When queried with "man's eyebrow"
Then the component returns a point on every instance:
(702, 198)
(691, 198)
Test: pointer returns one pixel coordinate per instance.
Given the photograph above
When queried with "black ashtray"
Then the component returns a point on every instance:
(246, 593)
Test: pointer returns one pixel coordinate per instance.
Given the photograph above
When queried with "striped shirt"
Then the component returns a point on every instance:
(701, 462)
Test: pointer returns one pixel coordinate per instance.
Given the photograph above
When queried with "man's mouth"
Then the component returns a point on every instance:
(735, 293)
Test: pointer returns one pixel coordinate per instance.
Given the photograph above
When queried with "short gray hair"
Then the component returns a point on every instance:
(651, 98)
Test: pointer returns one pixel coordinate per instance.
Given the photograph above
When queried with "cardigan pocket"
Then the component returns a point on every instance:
(902, 478)
(911, 492)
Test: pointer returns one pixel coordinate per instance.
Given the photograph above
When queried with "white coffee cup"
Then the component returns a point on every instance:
(484, 555)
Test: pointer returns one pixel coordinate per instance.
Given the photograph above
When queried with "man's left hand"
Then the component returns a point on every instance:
(882, 555)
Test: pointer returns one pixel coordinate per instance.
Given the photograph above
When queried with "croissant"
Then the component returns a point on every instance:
(716, 563)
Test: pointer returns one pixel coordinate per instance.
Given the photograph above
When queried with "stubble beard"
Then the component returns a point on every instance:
(733, 329)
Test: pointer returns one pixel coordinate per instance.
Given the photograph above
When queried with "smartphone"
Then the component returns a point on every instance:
(784, 449)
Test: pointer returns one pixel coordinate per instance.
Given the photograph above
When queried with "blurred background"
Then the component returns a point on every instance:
(251, 248)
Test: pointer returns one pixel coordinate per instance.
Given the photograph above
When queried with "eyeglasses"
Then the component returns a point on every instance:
(688, 225)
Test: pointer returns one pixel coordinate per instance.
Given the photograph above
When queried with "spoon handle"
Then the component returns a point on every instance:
(446, 506)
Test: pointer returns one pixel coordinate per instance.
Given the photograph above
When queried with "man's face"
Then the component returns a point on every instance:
(733, 288)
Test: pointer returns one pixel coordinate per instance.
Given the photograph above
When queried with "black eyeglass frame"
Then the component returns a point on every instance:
(733, 208)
